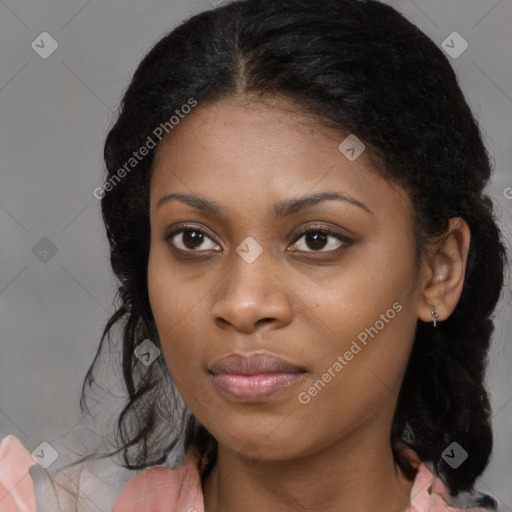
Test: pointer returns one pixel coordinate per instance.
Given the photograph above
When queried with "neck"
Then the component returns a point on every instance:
(354, 474)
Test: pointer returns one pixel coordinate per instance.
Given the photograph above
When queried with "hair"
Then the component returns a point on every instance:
(363, 68)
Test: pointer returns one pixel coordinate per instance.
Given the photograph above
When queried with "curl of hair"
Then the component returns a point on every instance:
(361, 67)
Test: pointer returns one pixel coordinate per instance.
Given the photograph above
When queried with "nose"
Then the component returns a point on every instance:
(251, 295)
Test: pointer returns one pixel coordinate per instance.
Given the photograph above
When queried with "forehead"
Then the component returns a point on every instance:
(243, 151)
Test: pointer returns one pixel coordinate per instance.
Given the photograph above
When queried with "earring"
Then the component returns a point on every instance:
(435, 316)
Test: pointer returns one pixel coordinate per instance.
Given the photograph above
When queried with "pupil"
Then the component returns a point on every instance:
(319, 240)
(191, 238)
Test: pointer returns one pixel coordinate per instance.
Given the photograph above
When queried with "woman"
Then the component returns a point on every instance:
(295, 210)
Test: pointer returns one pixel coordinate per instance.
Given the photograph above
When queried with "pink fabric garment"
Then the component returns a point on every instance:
(163, 489)
(17, 492)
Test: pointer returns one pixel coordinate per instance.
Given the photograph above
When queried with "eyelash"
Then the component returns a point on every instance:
(345, 240)
(326, 231)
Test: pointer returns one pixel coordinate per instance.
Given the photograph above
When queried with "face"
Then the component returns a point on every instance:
(339, 304)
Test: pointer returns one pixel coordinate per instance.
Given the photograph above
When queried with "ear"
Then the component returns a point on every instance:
(443, 274)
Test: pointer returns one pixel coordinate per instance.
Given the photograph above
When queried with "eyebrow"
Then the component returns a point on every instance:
(283, 209)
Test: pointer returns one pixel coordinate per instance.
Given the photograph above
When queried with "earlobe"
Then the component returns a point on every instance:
(443, 285)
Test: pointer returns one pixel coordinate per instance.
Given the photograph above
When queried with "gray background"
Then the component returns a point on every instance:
(55, 115)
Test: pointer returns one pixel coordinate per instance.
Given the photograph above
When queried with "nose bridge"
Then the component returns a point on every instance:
(249, 278)
(250, 290)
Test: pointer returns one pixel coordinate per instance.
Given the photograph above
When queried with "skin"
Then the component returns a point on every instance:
(303, 302)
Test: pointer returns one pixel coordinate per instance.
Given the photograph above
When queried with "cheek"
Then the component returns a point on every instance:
(162, 297)
(170, 296)
(346, 300)
(343, 395)
(168, 300)
(368, 317)
(178, 310)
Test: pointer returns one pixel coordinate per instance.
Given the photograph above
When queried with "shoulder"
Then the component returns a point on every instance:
(164, 489)
(17, 491)
(430, 494)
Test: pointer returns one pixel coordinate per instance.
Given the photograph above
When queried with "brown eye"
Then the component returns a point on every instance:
(317, 239)
(191, 240)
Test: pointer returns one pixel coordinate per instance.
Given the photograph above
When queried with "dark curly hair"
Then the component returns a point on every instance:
(361, 67)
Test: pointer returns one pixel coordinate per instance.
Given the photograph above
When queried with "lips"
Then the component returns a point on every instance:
(255, 377)
(254, 364)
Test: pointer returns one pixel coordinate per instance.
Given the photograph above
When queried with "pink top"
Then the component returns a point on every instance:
(170, 490)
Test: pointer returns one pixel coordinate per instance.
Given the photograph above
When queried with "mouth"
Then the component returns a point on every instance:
(252, 378)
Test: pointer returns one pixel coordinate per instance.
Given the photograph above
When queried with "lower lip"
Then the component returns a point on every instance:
(252, 388)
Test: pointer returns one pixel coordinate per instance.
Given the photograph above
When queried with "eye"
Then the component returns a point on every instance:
(190, 239)
(318, 239)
